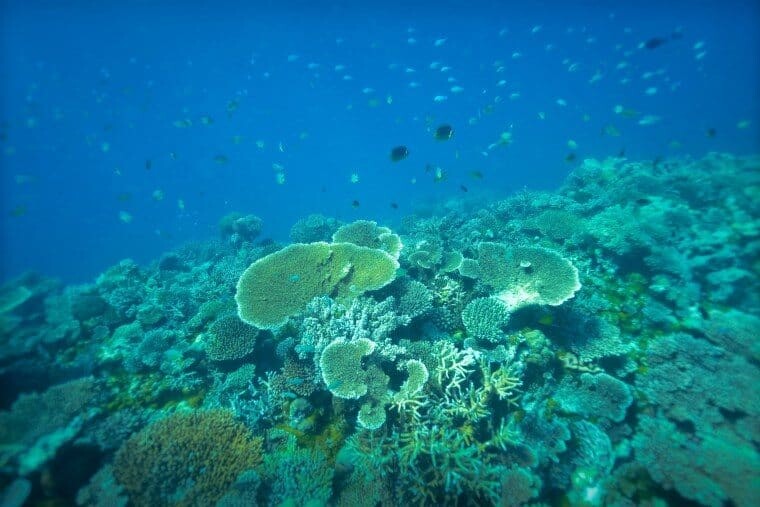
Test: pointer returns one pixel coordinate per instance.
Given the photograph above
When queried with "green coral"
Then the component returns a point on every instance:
(367, 233)
(187, 458)
(341, 365)
(230, 338)
(484, 317)
(281, 284)
(371, 416)
(525, 276)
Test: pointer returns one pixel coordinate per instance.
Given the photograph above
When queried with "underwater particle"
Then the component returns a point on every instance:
(456, 89)
(399, 153)
(610, 130)
(182, 124)
(221, 159)
(572, 144)
(354, 178)
(561, 102)
(105, 147)
(125, 217)
(440, 98)
(157, 195)
(341, 367)
(444, 132)
(260, 144)
(206, 120)
(440, 42)
(652, 90)
(181, 204)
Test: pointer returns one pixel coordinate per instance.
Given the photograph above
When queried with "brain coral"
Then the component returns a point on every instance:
(187, 458)
(281, 284)
(369, 234)
(230, 338)
(483, 318)
(527, 275)
(341, 365)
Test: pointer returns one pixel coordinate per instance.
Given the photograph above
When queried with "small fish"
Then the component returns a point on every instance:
(232, 106)
(570, 157)
(355, 204)
(611, 131)
(207, 120)
(444, 133)
(18, 211)
(158, 195)
(440, 98)
(439, 42)
(394, 205)
(439, 175)
(457, 89)
(653, 43)
(463, 188)
(354, 178)
(124, 197)
(711, 132)
(476, 175)
(125, 217)
(399, 153)
(221, 159)
(649, 119)
(148, 165)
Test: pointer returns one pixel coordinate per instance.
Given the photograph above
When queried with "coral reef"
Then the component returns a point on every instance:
(454, 363)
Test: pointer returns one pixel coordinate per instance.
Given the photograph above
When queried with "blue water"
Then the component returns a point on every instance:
(91, 91)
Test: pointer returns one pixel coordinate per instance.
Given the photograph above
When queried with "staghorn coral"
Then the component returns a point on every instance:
(281, 284)
(186, 458)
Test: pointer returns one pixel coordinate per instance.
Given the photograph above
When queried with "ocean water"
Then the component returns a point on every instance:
(220, 287)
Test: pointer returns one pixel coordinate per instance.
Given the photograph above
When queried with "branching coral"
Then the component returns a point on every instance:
(187, 458)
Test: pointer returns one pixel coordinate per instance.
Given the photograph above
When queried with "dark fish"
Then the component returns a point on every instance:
(463, 188)
(124, 197)
(655, 42)
(476, 175)
(710, 132)
(355, 203)
(444, 133)
(643, 200)
(148, 164)
(394, 205)
(221, 159)
(429, 167)
(399, 153)
(621, 153)
(570, 157)
(18, 211)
